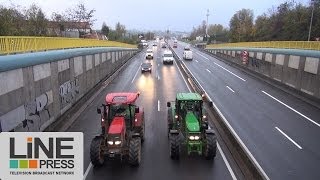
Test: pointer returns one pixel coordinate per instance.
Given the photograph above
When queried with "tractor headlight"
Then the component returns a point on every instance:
(110, 142)
(117, 142)
(194, 137)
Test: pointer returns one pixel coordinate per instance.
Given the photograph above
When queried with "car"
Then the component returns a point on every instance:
(186, 48)
(188, 127)
(146, 67)
(167, 57)
(144, 43)
(154, 44)
(149, 54)
(175, 45)
(187, 54)
(163, 45)
(122, 130)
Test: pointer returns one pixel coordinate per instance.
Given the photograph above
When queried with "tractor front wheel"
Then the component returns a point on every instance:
(97, 151)
(210, 146)
(135, 151)
(142, 132)
(174, 146)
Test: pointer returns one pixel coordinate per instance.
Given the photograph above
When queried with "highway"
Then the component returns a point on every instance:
(156, 89)
(279, 130)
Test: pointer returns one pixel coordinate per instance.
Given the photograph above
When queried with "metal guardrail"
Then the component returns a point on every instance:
(22, 44)
(310, 45)
(243, 157)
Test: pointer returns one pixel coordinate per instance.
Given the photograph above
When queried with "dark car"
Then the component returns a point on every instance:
(146, 67)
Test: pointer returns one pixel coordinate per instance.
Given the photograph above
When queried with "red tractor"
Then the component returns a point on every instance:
(122, 130)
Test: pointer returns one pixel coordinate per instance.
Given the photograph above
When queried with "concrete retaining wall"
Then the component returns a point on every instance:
(37, 88)
(298, 69)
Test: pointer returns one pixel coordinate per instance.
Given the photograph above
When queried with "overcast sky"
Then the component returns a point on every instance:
(179, 15)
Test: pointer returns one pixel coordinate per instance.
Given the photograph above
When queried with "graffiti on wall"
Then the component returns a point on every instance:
(30, 116)
(36, 113)
(68, 91)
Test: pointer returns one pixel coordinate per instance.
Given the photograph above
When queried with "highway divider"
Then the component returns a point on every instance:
(245, 161)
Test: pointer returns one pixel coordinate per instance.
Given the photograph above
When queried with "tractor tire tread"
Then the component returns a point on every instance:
(95, 152)
(135, 151)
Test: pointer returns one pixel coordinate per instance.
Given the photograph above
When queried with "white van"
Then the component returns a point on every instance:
(187, 53)
(149, 54)
(167, 57)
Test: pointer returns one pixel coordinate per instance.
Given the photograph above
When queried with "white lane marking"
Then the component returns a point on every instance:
(226, 162)
(158, 105)
(202, 56)
(87, 171)
(158, 64)
(223, 156)
(208, 70)
(178, 56)
(182, 76)
(309, 119)
(197, 61)
(289, 138)
(158, 77)
(230, 72)
(230, 89)
(136, 73)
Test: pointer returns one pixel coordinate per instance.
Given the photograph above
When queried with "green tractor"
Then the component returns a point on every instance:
(188, 127)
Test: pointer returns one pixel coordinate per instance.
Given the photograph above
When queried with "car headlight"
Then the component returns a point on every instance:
(117, 142)
(149, 68)
(110, 142)
(204, 116)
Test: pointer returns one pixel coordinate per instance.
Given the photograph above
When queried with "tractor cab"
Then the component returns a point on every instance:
(119, 105)
(189, 111)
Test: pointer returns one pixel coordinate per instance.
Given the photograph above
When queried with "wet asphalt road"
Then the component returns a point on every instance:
(156, 89)
(260, 115)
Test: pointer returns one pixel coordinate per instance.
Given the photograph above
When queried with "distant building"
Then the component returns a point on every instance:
(95, 35)
(199, 38)
(68, 29)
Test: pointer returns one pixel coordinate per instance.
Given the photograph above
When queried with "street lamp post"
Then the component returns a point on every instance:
(311, 19)
(207, 24)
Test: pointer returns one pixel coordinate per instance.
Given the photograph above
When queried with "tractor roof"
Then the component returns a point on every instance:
(189, 97)
(121, 98)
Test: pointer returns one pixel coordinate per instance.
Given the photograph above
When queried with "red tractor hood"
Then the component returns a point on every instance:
(117, 125)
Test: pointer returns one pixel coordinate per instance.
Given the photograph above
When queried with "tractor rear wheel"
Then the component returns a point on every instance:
(135, 151)
(97, 151)
(210, 146)
(174, 146)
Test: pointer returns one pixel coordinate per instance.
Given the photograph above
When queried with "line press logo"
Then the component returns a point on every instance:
(41, 155)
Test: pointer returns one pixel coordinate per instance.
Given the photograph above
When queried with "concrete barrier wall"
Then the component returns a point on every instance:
(298, 69)
(36, 88)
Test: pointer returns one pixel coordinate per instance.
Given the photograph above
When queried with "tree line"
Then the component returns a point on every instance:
(289, 21)
(32, 21)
